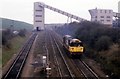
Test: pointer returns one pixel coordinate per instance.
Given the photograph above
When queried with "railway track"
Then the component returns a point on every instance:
(85, 69)
(64, 66)
(59, 68)
(76, 72)
(53, 57)
(18, 64)
(64, 60)
(60, 63)
(81, 65)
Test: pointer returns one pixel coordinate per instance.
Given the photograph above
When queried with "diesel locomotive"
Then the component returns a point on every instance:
(73, 46)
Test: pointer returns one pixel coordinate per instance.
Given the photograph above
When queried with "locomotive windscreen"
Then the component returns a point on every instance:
(76, 44)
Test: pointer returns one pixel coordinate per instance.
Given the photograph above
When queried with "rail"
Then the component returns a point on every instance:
(16, 68)
(70, 72)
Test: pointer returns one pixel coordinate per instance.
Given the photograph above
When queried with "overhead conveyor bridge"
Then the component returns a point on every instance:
(39, 14)
(61, 12)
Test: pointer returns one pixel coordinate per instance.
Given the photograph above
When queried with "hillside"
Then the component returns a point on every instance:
(16, 25)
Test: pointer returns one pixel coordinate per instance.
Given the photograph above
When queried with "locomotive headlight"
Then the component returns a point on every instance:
(72, 48)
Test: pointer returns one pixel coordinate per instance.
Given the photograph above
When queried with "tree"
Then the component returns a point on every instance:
(22, 32)
(103, 43)
(6, 36)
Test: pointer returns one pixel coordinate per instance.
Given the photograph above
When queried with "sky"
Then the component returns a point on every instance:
(22, 10)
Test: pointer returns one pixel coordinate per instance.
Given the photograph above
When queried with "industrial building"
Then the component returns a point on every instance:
(104, 16)
(38, 16)
(116, 22)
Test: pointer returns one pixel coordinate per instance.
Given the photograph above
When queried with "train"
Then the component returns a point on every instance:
(73, 46)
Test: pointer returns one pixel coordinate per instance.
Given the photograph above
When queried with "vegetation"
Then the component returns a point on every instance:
(11, 40)
(22, 32)
(68, 29)
(11, 43)
(102, 43)
(8, 35)
(16, 44)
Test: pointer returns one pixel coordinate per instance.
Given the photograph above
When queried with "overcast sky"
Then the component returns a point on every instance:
(22, 10)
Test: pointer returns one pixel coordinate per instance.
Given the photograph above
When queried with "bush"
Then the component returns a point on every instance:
(22, 32)
(4, 40)
(103, 43)
(119, 42)
(6, 36)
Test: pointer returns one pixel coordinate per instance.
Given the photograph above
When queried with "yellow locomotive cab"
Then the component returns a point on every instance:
(76, 49)
(74, 46)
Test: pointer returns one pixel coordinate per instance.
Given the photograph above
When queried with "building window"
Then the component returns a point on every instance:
(96, 11)
(105, 11)
(95, 20)
(38, 21)
(38, 10)
(108, 16)
(102, 16)
(38, 15)
(95, 16)
(102, 21)
(47, 6)
(109, 11)
(108, 20)
(100, 11)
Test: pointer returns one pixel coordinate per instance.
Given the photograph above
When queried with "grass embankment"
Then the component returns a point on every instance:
(16, 44)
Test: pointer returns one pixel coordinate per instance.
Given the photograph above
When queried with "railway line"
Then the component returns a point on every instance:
(85, 69)
(49, 54)
(61, 69)
(70, 74)
(18, 64)
(70, 68)
(57, 64)
(57, 59)
(80, 65)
